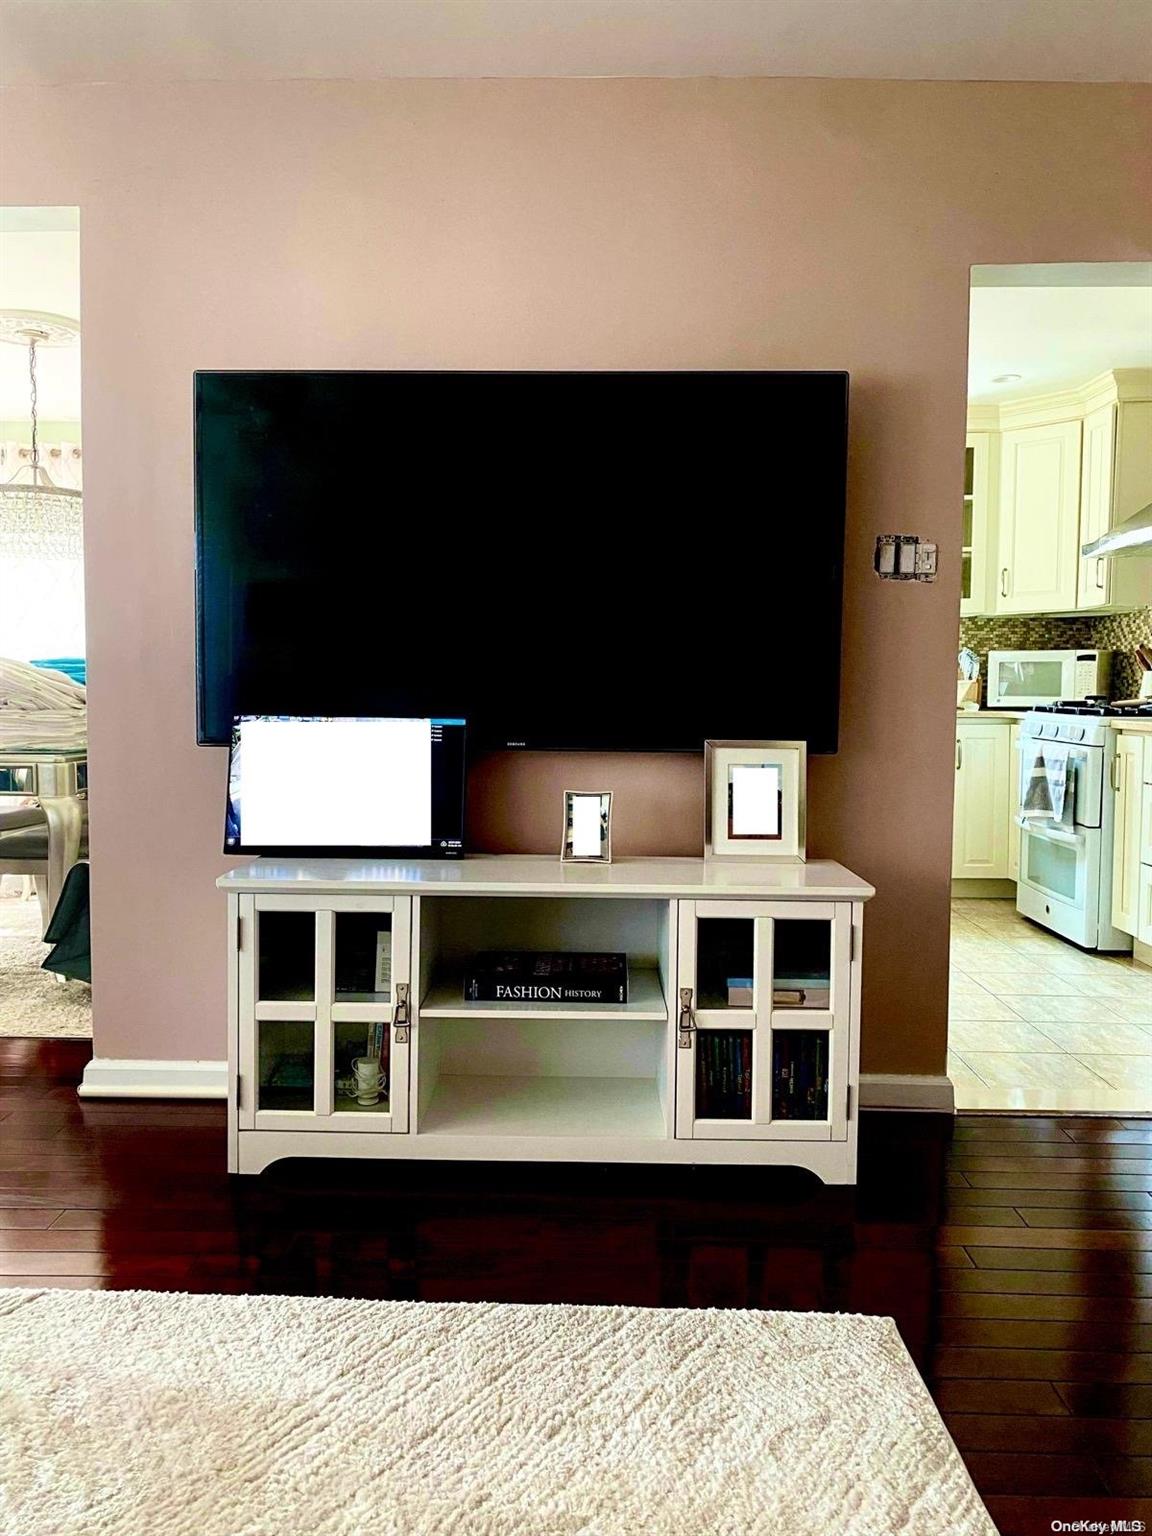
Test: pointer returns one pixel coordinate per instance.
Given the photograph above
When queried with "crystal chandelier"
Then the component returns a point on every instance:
(37, 517)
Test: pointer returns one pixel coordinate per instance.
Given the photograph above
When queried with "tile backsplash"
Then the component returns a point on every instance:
(1116, 632)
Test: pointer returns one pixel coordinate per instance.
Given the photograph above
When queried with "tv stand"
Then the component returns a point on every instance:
(739, 1042)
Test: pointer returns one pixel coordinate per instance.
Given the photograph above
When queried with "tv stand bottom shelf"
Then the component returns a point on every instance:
(544, 1106)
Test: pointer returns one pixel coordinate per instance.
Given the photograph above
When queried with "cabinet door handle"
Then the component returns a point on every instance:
(1004, 582)
(686, 1024)
(1100, 572)
(1116, 772)
(959, 754)
(402, 1015)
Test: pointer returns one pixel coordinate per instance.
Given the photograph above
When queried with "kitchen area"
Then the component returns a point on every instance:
(1050, 1004)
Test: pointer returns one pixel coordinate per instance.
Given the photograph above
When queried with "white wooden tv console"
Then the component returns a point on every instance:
(739, 1041)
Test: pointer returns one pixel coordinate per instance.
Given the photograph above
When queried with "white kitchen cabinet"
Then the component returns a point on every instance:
(1144, 878)
(1127, 771)
(981, 810)
(1144, 915)
(981, 456)
(1013, 802)
(1115, 482)
(1039, 519)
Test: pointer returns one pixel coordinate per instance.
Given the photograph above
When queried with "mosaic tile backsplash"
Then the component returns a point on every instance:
(1117, 632)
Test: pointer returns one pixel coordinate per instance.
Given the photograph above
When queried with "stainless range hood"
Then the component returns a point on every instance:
(1133, 537)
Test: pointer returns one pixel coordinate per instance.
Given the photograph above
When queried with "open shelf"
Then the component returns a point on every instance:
(544, 1106)
(646, 1001)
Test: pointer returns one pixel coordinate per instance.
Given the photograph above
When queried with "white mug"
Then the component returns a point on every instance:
(368, 1079)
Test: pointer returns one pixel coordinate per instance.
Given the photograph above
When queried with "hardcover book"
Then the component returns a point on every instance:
(546, 976)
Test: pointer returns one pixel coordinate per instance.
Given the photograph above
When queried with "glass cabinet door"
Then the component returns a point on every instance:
(763, 1038)
(323, 1026)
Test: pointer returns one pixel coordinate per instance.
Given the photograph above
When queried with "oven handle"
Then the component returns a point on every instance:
(1053, 834)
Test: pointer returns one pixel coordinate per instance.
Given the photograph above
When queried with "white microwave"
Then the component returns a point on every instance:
(1023, 679)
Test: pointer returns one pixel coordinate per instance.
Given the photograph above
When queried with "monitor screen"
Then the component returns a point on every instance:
(308, 784)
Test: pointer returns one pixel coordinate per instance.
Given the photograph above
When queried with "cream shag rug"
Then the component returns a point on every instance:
(35, 1003)
(145, 1414)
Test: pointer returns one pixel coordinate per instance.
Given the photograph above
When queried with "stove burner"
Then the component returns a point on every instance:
(1097, 707)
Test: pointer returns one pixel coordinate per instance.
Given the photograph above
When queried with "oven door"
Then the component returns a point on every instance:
(1059, 878)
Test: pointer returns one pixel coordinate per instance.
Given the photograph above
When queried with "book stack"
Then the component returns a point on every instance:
(546, 976)
(794, 991)
(799, 1075)
(809, 990)
(724, 1074)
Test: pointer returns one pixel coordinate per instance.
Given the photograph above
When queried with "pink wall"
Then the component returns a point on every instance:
(539, 224)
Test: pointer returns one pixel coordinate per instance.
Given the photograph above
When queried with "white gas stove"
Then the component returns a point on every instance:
(1065, 879)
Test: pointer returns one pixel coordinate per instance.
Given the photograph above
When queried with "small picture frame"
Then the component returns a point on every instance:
(587, 837)
(756, 794)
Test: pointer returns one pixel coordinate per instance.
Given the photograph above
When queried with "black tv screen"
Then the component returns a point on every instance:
(617, 561)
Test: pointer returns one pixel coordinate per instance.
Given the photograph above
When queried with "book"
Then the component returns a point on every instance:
(739, 991)
(383, 970)
(724, 1074)
(802, 991)
(546, 976)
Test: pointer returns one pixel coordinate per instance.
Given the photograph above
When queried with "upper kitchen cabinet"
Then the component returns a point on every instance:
(1045, 476)
(980, 466)
(1115, 482)
(1039, 519)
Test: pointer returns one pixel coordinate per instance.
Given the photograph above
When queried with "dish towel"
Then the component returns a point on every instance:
(1050, 791)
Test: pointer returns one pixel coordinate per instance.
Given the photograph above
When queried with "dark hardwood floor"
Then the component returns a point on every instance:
(1015, 1254)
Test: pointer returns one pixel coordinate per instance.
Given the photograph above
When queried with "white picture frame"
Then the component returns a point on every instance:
(756, 800)
(586, 837)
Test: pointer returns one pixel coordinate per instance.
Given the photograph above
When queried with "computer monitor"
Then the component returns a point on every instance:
(345, 787)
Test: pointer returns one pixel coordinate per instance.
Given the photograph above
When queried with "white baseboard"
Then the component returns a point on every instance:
(105, 1078)
(890, 1090)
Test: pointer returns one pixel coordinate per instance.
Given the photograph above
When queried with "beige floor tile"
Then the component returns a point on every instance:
(1054, 1101)
(1120, 1071)
(999, 1035)
(970, 1009)
(959, 978)
(1070, 1010)
(1029, 981)
(1131, 1010)
(1075, 962)
(983, 954)
(961, 1073)
(1097, 1039)
(1112, 981)
(1025, 1069)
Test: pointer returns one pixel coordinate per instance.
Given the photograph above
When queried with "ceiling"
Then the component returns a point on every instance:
(1055, 338)
(67, 41)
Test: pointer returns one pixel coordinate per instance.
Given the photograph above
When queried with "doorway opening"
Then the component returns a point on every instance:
(1050, 1004)
(45, 987)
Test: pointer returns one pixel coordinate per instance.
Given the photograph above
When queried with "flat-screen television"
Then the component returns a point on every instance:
(616, 561)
